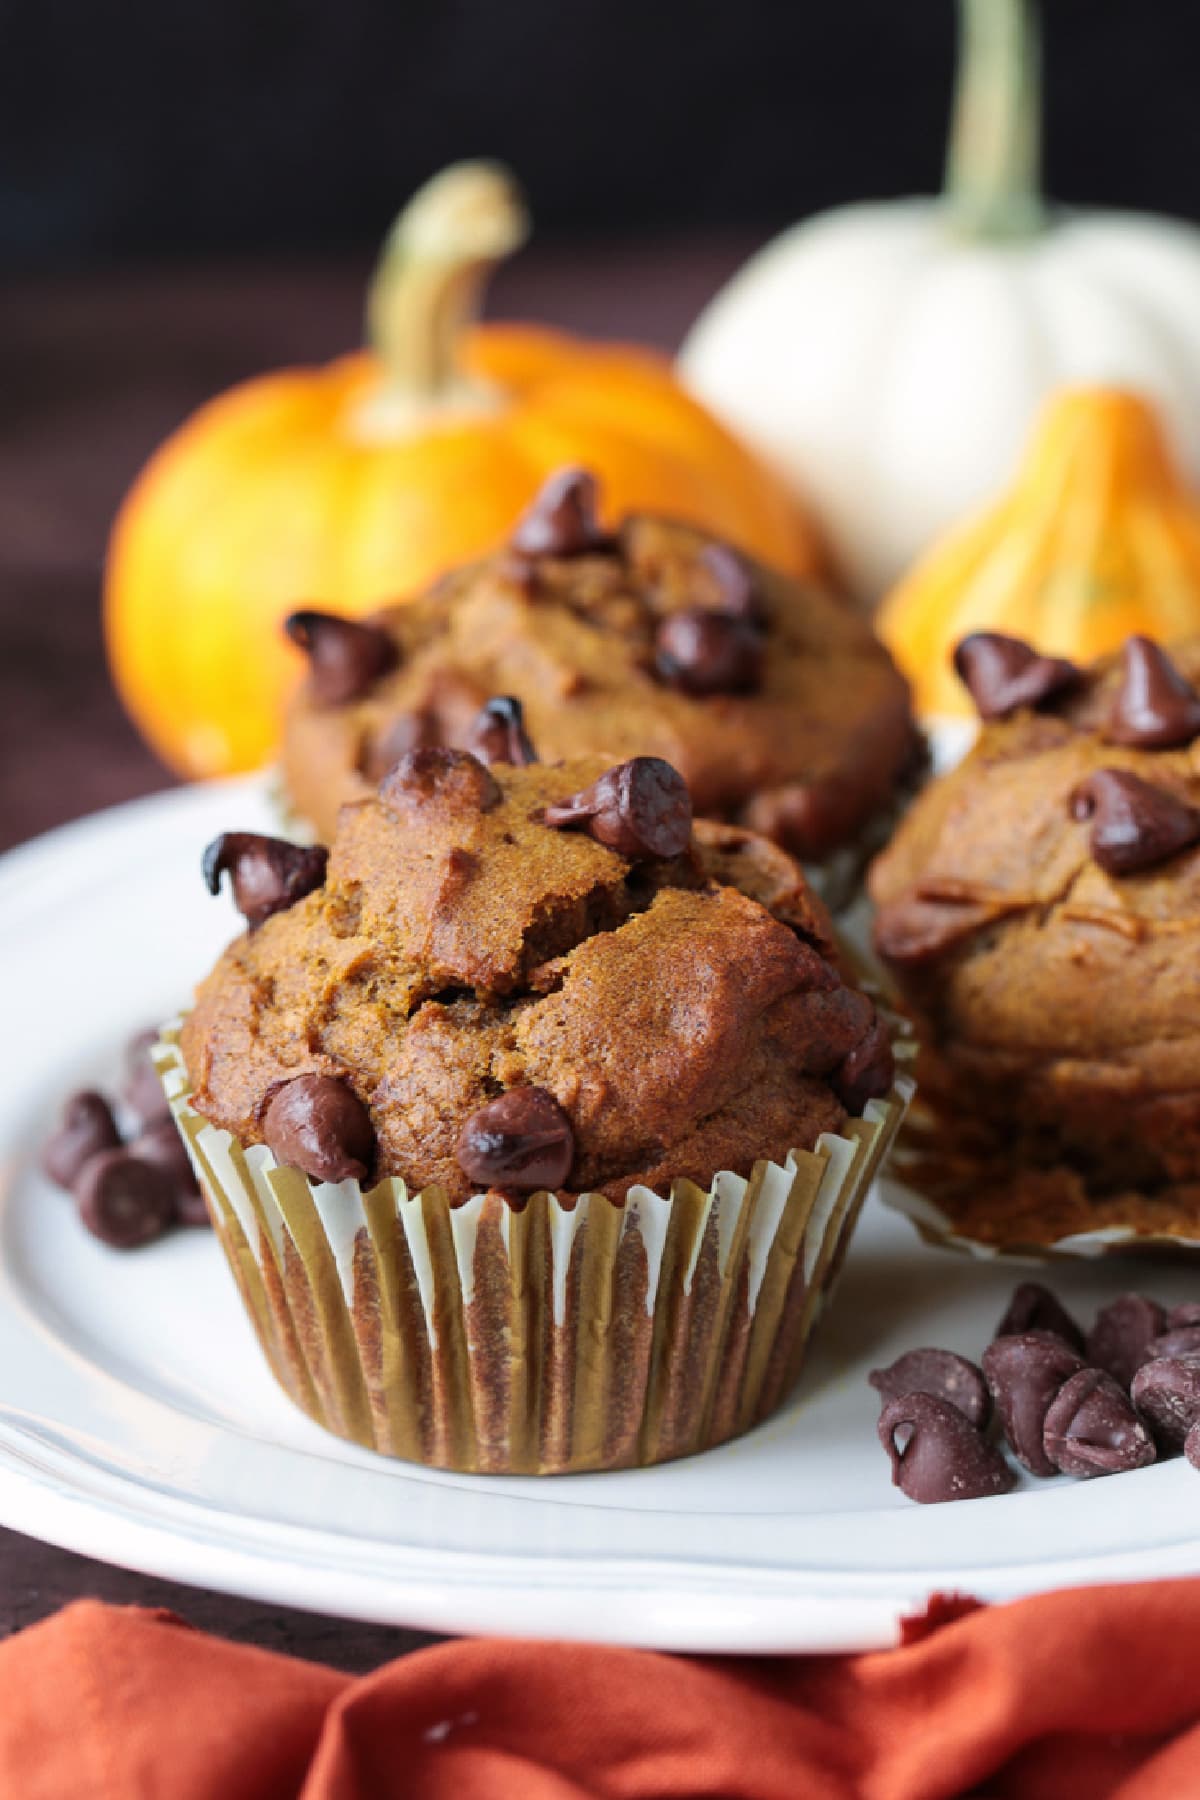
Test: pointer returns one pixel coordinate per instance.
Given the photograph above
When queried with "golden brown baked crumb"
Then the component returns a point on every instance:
(809, 753)
(683, 1012)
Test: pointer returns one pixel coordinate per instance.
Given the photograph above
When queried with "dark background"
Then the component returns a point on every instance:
(152, 128)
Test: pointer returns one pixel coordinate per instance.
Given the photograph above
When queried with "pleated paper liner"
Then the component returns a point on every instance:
(543, 1339)
(966, 1191)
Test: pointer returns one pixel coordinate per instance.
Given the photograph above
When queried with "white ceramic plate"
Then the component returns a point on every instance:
(138, 1424)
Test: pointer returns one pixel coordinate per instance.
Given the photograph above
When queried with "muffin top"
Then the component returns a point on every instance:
(523, 977)
(1040, 904)
(773, 699)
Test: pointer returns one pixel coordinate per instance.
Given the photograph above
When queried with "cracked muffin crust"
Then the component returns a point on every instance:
(1040, 911)
(775, 701)
(673, 1000)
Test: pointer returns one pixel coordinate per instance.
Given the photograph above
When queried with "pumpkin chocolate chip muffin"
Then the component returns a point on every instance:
(533, 1119)
(774, 701)
(1040, 911)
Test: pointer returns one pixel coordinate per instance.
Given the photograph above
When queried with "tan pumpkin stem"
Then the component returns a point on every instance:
(428, 287)
(992, 180)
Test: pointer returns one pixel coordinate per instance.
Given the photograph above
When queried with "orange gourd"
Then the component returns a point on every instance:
(1097, 539)
(357, 483)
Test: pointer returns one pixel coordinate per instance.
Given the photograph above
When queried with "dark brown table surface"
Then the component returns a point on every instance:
(94, 371)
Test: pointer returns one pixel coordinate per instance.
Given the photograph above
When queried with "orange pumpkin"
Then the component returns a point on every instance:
(359, 482)
(1096, 541)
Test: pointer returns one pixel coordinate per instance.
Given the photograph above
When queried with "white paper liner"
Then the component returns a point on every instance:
(938, 1228)
(548, 1339)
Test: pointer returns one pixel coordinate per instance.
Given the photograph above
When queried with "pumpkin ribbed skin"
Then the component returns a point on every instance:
(1096, 541)
(274, 496)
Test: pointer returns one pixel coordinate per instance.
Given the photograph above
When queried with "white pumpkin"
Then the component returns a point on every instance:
(890, 358)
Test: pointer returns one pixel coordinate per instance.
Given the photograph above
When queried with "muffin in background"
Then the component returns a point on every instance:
(772, 698)
(533, 1122)
(1039, 910)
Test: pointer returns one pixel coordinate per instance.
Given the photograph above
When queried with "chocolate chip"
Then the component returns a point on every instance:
(521, 1140)
(1003, 674)
(640, 808)
(938, 1372)
(738, 593)
(161, 1144)
(267, 874)
(86, 1127)
(1034, 1308)
(1134, 824)
(316, 1124)
(408, 731)
(122, 1200)
(867, 1073)
(1166, 1392)
(1154, 707)
(1191, 1446)
(452, 776)
(141, 1089)
(937, 1454)
(702, 652)
(562, 520)
(1187, 1314)
(498, 734)
(1122, 1333)
(1184, 1340)
(912, 931)
(346, 657)
(1092, 1429)
(1024, 1373)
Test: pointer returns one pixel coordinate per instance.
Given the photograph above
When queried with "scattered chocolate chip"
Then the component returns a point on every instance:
(86, 1127)
(1184, 1340)
(161, 1144)
(498, 734)
(937, 1454)
(738, 594)
(1154, 707)
(1024, 1373)
(408, 731)
(1179, 1316)
(1034, 1308)
(640, 808)
(454, 776)
(1002, 674)
(562, 519)
(318, 1125)
(1092, 1429)
(867, 1073)
(941, 1373)
(346, 657)
(1166, 1392)
(141, 1089)
(122, 1200)
(703, 652)
(266, 874)
(1122, 1333)
(1134, 824)
(522, 1140)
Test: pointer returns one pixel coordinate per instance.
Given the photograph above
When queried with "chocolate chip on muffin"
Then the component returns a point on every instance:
(346, 657)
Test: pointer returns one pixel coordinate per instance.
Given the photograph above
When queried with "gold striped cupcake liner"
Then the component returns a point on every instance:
(539, 1339)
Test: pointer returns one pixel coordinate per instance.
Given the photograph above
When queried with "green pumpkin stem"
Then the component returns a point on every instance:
(428, 288)
(992, 184)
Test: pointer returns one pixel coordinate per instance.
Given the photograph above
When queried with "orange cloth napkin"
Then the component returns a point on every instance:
(1087, 1694)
